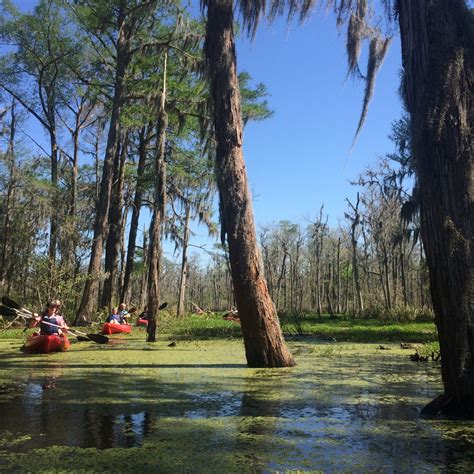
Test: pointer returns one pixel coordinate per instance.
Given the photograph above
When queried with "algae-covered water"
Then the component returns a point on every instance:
(196, 407)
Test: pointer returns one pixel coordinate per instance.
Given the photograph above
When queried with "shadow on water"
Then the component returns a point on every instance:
(201, 409)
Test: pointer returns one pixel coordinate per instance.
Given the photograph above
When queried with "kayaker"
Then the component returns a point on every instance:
(51, 315)
(144, 315)
(123, 313)
(114, 317)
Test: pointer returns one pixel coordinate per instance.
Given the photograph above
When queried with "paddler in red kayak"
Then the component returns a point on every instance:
(51, 315)
(123, 313)
(119, 315)
(114, 317)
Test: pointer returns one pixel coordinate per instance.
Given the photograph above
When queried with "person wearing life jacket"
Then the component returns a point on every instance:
(123, 313)
(114, 317)
(144, 315)
(51, 315)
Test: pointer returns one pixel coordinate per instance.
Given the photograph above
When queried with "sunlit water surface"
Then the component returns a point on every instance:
(196, 407)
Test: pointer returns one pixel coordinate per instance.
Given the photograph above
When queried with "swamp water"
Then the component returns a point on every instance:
(196, 407)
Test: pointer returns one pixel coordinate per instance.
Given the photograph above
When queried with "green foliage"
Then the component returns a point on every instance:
(361, 330)
(254, 106)
(400, 313)
(294, 324)
(208, 326)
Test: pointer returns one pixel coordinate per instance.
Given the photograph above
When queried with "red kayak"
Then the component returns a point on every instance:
(46, 343)
(142, 322)
(113, 328)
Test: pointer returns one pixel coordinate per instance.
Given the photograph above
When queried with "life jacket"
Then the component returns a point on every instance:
(122, 318)
(46, 329)
(113, 317)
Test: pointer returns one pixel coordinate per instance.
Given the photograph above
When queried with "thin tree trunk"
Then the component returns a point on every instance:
(54, 224)
(184, 263)
(355, 264)
(386, 274)
(355, 269)
(263, 339)
(318, 275)
(281, 276)
(438, 61)
(339, 306)
(143, 279)
(329, 291)
(403, 275)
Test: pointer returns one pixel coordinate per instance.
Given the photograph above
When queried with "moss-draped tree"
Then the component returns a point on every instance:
(437, 38)
(263, 339)
(438, 65)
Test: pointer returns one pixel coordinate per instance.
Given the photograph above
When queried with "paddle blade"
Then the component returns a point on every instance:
(9, 312)
(163, 306)
(10, 303)
(99, 338)
(82, 339)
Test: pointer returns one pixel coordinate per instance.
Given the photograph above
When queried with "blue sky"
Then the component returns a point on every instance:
(300, 158)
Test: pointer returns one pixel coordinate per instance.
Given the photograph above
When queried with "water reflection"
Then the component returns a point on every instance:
(115, 431)
(343, 413)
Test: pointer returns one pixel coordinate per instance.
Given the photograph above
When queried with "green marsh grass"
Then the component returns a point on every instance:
(340, 329)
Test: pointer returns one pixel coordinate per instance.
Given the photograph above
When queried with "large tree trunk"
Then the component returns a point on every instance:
(437, 52)
(144, 137)
(8, 199)
(89, 297)
(264, 343)
(154, 256)
(113, 242)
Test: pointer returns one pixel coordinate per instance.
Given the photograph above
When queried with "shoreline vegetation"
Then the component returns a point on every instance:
(322, 328)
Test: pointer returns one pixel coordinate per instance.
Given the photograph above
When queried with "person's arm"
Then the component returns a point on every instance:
(62, 322)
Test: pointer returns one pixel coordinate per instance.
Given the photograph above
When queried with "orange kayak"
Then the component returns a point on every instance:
(112, 328)
(142, 322)
(46, 343)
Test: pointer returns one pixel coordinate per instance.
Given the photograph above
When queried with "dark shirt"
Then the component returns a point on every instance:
(46, 329)
(114, 317)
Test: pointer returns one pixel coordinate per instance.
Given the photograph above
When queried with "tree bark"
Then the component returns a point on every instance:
(113, 242)
(144, 137)
(54, 224)
(184, 263)
(144, 274)
(263, 339)
(355, 264)
(90, 295)
(338, 266)
(9, 197)
(438, 61)
(154, 258)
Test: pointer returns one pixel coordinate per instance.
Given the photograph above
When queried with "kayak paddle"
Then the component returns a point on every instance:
(12, 312)
(99, 338)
